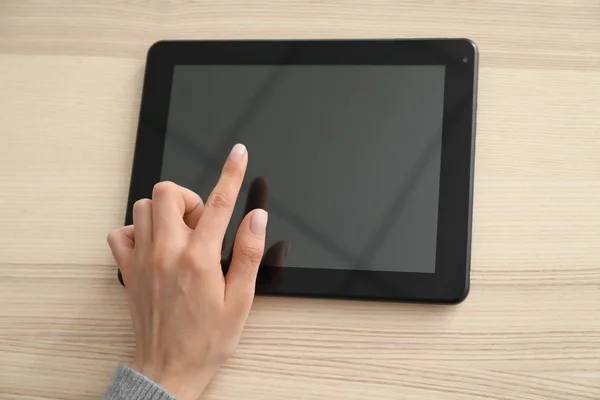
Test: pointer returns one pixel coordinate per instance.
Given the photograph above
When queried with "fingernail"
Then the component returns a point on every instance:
(237, 152)
(258, 223)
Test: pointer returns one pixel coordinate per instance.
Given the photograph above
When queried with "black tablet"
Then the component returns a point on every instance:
(361, 150)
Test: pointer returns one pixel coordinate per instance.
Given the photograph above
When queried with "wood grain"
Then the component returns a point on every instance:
(70, 81)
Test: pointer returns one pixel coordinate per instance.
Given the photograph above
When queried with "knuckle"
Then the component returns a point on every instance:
(160, 257)
(111, 237)
(165, 253)
(141, 205)
(163, 188)
(218, 200)
(199, 260)
(251, 254)
(190, 259)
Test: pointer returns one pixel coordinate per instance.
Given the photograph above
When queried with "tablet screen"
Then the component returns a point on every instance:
(351, 153)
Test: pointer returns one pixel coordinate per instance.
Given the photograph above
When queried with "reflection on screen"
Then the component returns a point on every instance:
(351, 155)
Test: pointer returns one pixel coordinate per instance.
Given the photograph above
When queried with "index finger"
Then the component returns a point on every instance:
(219, 205)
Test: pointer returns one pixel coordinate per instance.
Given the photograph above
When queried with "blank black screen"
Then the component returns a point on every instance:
(351, 153)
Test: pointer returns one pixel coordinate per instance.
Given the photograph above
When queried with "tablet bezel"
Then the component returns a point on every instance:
(450, 282)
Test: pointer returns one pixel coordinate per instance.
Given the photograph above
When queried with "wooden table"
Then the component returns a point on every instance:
(70, 82)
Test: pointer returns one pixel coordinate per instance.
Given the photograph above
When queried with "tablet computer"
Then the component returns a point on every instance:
(361, 150)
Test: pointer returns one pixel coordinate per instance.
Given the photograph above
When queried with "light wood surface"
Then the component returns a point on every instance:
(70, 82)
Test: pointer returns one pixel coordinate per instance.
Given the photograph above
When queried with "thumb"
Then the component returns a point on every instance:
(247, 253)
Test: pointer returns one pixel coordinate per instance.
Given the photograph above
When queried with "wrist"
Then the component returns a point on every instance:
(181, 384)
(183, 388)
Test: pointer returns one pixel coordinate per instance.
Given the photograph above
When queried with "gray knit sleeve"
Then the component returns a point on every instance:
(128, 384)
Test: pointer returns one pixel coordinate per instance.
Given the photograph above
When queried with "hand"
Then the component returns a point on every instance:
(187, 316)
(276, 254)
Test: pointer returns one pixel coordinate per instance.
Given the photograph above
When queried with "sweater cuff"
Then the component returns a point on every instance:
(128, 384)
